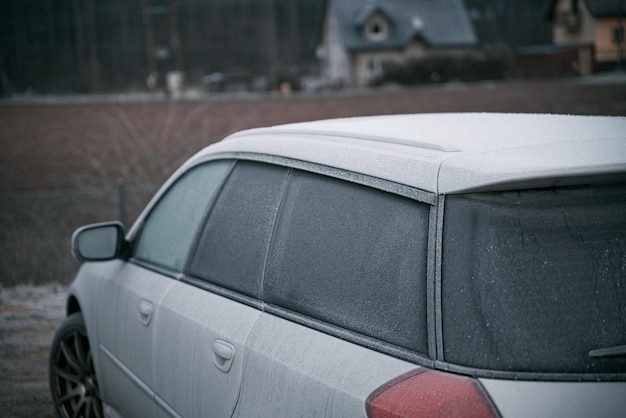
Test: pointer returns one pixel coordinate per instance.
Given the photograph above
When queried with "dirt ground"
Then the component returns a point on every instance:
(60, 162)
(28, 317)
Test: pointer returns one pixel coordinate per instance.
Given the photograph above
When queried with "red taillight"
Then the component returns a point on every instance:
(429, 393)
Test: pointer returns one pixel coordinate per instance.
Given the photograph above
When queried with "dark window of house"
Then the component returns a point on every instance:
(618, 35)
(352, 256)
(172, 224)
(233, 245)
(377, 29)
(374, 65)
(535, 280)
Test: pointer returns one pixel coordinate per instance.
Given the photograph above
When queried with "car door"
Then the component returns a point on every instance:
(129, 303)
(199, 345)
(205, 319)
(132, 295)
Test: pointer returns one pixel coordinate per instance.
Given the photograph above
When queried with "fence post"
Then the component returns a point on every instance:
(121, 200)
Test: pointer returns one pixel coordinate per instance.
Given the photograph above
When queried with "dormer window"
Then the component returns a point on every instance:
(417, 23)
(376, 29)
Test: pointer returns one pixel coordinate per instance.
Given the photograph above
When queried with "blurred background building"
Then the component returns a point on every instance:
(361, 37)
(64, 46)
(593, 28)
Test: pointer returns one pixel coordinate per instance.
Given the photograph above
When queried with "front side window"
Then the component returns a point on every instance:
(352, 256)
(170, 227)
(535, 280)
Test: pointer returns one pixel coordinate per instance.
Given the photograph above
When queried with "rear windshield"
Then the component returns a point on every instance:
(535, 280)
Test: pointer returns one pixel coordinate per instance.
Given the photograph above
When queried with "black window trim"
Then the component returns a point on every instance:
(437, 303)
(222, 291)
(533, 376)
(155, 268)
(350, 336)
(435, 233)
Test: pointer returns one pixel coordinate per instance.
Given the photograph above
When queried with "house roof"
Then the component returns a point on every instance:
(448, 153)
(439, 23)
(605, 8)
(597, 8)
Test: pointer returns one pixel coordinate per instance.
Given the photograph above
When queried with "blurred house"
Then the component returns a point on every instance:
(595, 28)
(360, 36)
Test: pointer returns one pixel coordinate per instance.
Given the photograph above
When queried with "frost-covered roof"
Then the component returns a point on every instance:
(439, 23)
(446, 153)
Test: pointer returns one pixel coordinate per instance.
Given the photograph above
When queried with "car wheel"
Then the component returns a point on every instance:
(73, 382)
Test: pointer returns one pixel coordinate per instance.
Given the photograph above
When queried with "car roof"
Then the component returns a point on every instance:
(448, 153)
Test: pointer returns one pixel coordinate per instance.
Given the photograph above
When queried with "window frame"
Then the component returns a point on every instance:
(334, 330)
(441, 364)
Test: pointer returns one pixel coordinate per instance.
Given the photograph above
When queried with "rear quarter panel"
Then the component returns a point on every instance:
(291, 370)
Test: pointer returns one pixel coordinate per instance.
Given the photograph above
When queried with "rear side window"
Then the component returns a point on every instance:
(535, 280)
(171, 226)
(352, 256)
(234, 244)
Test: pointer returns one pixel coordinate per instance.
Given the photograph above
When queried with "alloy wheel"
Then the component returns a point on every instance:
(73, 378)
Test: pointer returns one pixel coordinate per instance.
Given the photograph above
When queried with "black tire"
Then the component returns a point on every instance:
(73, 384)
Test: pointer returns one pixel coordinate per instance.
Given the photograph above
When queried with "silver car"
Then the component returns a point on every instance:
(466, 265)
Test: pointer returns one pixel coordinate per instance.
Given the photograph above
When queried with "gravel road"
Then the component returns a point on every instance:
(28, 318)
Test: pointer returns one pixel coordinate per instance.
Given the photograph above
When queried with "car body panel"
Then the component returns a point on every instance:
(447, 153)
(194, 328)
(129, 299)
(520, 399)
(292, 370)
(556, 162)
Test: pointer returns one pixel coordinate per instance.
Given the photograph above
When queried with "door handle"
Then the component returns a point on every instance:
(145, 312)
(223, 355)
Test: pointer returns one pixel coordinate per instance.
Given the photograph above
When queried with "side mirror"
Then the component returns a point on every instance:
(98, 242)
